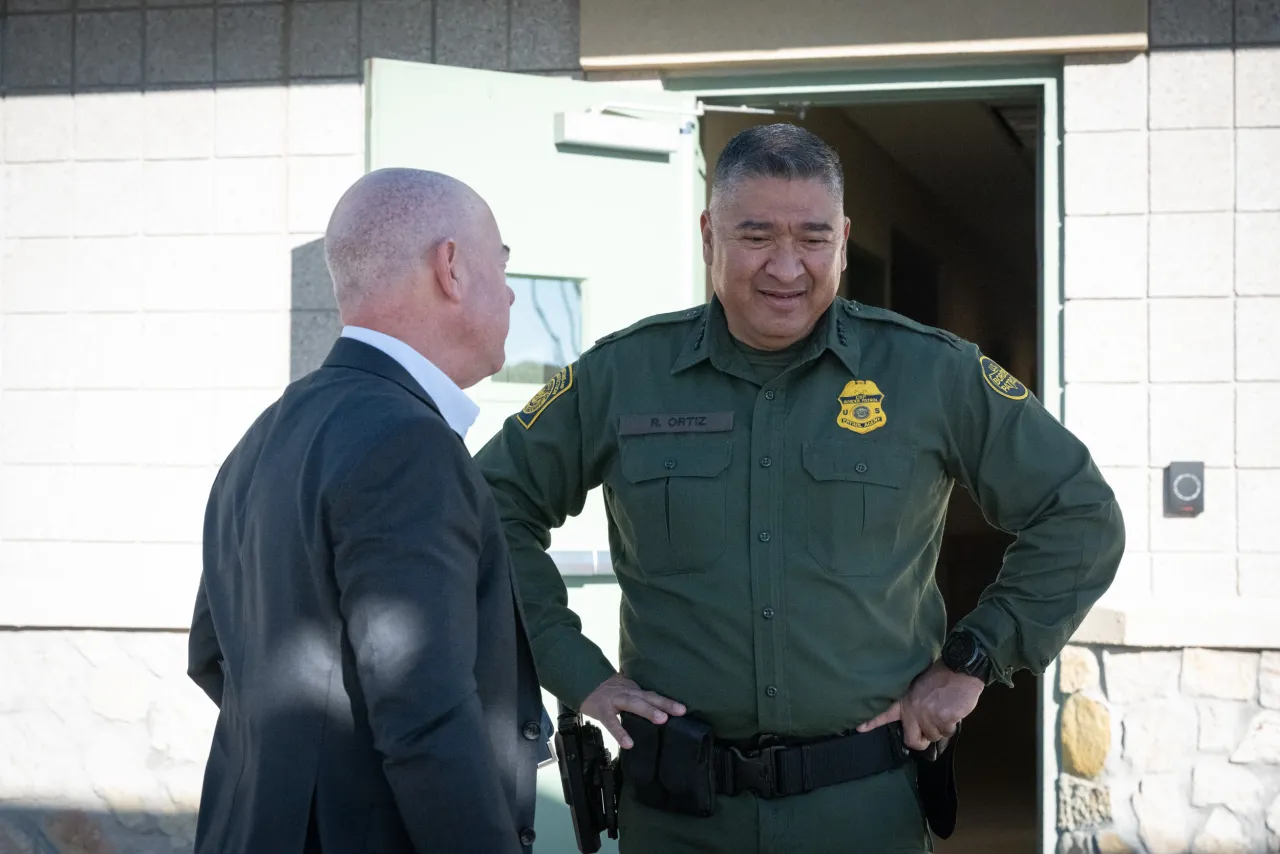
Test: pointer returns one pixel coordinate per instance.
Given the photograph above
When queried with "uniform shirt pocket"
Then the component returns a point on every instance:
(673, 502)
(854, 501)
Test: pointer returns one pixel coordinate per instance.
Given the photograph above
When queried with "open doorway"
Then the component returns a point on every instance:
(943, 199)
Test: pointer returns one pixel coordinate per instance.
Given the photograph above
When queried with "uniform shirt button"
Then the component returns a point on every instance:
(766, 462)
(528, 837)
(767, 613)
(670, 464)
(860, 468)
(764, 536)
(768, 395)
(532, 730)
(771, 691)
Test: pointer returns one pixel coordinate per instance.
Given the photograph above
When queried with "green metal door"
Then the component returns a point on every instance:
(619, 221)
(597, 189)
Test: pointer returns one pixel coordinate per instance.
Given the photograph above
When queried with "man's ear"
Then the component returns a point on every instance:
(844, 246)
(443, 262)
(705, 223)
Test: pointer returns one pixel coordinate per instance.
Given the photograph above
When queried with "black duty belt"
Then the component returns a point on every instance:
(770, 768)
(682, 767)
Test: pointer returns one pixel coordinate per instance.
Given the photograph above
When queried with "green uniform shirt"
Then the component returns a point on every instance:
(775, 544)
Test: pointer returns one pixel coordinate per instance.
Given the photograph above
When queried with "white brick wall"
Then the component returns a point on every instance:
(1106, 256)
(251, 122)
(1192, 254)
(1193, 576)
(1111, 419)
(1258, 529)
(1258, 168)
(145, 317)
(1206, 354)
(29, 189)
(37, 275)
(1104, 93)
(1258, 87)
(107, 201)
(1122, 324)
(1192, 170)
(1260, 575)
(1192, 340)
(179, 124)
(1191, 89)
(106, 274)
(1133, 579)
(1257, 417)
(1105, 172)
(107, 126)
(1258, 254)
(1257, 341)
(38, 128)
(1192, 421)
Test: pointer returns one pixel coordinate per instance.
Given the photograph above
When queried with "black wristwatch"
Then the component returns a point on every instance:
(962, 653)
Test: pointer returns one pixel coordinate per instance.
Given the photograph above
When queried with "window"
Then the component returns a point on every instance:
(546, 329)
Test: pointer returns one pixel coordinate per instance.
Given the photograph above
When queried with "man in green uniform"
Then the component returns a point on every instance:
(776, 469)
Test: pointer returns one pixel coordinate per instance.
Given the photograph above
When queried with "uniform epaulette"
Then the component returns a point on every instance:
(883, 315)
(682, 316)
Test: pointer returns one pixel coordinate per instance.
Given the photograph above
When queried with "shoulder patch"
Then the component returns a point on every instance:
(883, 315)
(683, 316)
(556, 386)
(1001, 381)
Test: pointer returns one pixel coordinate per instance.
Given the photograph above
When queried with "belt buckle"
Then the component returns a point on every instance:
(755, 769)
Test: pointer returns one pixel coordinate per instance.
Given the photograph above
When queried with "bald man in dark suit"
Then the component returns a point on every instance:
(357, 621)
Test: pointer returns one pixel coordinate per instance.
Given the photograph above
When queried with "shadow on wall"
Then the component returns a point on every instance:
(313, 313)
(52, 831)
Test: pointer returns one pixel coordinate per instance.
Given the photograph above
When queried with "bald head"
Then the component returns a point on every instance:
(384, 226)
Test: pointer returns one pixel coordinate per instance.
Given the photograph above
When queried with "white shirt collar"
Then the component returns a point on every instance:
(458, 410)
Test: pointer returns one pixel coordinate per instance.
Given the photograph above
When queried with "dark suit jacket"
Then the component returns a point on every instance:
(359, 628)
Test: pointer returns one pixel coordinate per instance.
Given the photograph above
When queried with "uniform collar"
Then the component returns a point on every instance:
(710, 339)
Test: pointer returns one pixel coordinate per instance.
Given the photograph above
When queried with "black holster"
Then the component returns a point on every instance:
(936, 781)
(590, 779)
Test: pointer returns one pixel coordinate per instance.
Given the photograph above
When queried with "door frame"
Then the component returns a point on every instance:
(1042, 78)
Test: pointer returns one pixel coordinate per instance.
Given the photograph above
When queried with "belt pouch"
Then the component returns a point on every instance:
(670, 766)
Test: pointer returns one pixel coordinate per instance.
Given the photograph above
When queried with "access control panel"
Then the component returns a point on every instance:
(1184, 489)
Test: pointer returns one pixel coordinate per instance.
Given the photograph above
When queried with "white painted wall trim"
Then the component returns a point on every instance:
(1042, 46)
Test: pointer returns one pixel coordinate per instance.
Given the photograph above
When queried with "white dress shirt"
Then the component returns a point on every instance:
(458, 410)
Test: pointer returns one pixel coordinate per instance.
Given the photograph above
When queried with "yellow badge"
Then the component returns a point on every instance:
(556, 386)
(1003, 382)
(861, 407)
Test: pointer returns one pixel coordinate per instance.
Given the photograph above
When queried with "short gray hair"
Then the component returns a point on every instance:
(385, 223)
(779, 150)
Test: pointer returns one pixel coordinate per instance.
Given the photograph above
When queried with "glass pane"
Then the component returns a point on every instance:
(546, 329)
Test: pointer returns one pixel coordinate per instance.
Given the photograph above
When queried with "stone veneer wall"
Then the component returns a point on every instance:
(104, 748)
(1169, 752)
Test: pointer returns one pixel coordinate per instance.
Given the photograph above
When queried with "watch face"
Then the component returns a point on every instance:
(958, 651)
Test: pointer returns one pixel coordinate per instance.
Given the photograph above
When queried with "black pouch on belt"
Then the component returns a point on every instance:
(936, 780)
(670, 766)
